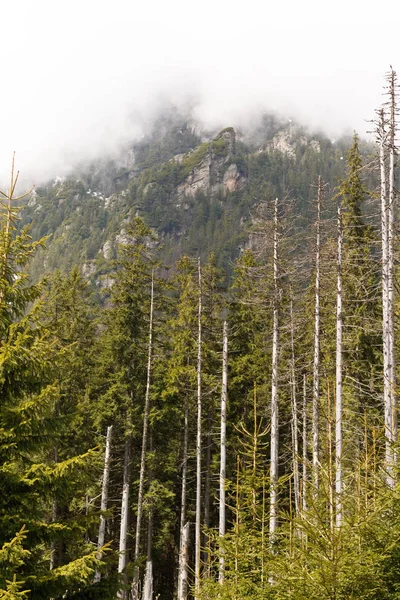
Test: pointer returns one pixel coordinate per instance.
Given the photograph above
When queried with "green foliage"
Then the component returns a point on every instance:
(69, 368)
(28, 424)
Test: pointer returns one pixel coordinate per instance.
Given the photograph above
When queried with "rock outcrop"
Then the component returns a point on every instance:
(216, 170)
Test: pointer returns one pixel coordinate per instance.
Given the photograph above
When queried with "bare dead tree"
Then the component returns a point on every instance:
(135, 583)
(274, 387)
(104, 498)
(295, 427)
(222, 472)
(392, 91)
(315, 406)
(198, 444)
(339, 377)
(123, 535)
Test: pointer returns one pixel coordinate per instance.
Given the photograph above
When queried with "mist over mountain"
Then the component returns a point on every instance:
(83, 80)
(197, 188)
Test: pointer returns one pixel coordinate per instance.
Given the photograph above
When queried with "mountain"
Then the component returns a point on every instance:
(196, 189)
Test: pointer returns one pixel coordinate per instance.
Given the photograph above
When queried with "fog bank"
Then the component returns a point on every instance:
(80, 79)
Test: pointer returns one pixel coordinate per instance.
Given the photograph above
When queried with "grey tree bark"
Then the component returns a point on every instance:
(295, 426)
(392, 81)
(305, 441)
(183, 549)
(135, 584)
(339, 378)
(123, 535)
(274, 388)
(315, 410)
(104, 498)
(198, 444)
(387, 395)
(222, 472)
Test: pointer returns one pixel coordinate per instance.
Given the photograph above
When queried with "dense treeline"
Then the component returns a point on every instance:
(185, 439)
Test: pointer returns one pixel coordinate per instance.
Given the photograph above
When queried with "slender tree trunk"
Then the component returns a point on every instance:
(385, 299)
(295, 427)
(148, 581)
(148, 577)
(207, 493)
(104, 498)
(274, 391)
(123, 536)
(305, 458)
(391, 206)
(198, 445)
(330, 466)
(236, 526)
(222, 472)
(184, 527)
(183, 563)
(135, 584)
(315, 411)
(339, 376)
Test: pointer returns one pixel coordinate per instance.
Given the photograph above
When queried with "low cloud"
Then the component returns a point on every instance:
(81, 79)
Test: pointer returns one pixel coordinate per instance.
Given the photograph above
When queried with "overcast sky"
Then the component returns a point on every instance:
(80, 77)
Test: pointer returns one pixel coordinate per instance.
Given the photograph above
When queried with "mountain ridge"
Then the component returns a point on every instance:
(195, 189)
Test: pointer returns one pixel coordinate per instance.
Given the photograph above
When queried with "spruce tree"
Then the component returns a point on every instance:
(29, 423)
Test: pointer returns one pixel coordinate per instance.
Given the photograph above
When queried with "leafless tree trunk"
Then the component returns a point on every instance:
(198, 444)
(183, 563)
(387, 396)
(104, 498)
(274, 389)
(207, 493)
(304, 489)
(123, 536)
(135, 584)
(184, 538)
(315, 410)
(148, 581)
(222, 472)
(295, 427)
(392, 80)
(148, 577)
(338, 411)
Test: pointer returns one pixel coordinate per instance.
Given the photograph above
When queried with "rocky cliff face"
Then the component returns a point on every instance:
(289, 140)
(217, 171)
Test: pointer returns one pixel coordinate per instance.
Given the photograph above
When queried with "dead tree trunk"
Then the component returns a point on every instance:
(183, 563)
(387, 397)
(304, 436)
(392, 80)
(315, 411)
(104, 498)
(295, 427)
(198, 444)
(123, 536)
(207, 493)
(183, 549)
(274, 389)
(339, 353)
(222, 472)
(148, 576)
(135, 584)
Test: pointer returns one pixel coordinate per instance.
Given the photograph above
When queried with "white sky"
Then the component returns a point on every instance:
(79, 77)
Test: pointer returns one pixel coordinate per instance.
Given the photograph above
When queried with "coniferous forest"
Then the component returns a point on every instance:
(219, 426)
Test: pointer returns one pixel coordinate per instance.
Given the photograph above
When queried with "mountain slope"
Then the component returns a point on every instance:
(196, 190)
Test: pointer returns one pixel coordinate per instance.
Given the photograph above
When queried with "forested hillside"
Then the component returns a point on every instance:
(199, 400)
(197, 191)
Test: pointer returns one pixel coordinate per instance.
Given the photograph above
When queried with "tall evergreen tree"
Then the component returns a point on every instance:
(29, 424)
